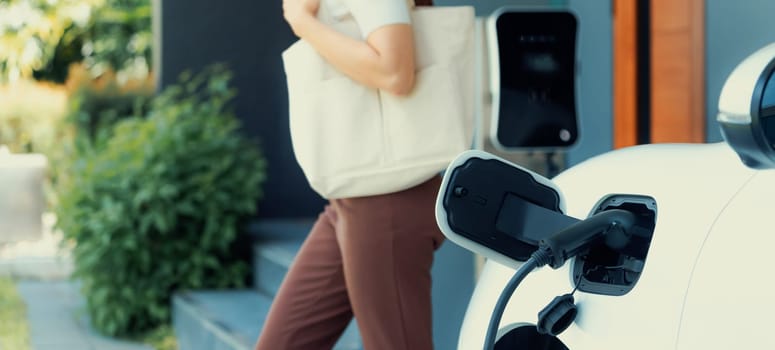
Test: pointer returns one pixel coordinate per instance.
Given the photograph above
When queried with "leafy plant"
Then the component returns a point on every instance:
(157, 207)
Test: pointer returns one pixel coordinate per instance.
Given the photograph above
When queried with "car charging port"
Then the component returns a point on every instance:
(614, 268)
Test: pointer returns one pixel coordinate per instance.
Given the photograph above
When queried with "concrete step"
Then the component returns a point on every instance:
(218, 320)
(232, 320)
(276, 245)
(229, 320)
(271, 262)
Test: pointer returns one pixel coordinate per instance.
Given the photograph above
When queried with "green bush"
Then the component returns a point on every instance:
(157, 208)
(95, 105)
(92, 108)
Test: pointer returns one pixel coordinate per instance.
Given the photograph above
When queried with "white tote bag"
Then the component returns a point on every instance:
(351, 140)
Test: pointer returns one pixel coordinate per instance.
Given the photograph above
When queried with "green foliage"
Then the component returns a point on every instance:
(30, 30)
(119, 38)
(42, 38)
(157, 206)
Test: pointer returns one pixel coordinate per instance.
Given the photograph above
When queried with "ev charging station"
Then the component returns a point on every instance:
(533, 68)
(592, 75)
(451, 293)
(667, 246)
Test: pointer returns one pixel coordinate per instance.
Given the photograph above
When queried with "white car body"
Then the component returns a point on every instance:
(706, 282)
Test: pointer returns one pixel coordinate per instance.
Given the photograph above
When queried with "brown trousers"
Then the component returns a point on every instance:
(368, 257)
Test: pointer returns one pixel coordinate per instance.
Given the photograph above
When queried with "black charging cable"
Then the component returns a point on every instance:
(539, 258)
(613, 225)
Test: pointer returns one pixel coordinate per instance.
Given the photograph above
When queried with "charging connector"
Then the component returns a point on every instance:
(613, 225)
(558, 248)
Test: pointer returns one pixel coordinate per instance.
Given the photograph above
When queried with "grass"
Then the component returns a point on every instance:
(15, 334)
(14, 330)
(161, 338)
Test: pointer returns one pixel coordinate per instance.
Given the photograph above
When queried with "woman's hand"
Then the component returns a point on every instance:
(299, 12)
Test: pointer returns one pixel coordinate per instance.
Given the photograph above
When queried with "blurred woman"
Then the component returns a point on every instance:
(367, 257)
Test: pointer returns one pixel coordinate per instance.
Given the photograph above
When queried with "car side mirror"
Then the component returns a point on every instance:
(747, 109)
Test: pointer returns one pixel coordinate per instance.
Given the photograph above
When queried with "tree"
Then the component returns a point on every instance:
(40, 39)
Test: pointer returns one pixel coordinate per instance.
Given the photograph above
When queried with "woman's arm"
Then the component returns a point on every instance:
(385, 60)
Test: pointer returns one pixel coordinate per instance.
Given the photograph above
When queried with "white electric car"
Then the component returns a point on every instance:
(698, 272)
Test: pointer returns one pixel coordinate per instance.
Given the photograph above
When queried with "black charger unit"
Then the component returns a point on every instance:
(498, 209)
(533, 71)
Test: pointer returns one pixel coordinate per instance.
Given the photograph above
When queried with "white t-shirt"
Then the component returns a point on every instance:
(370, 14)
